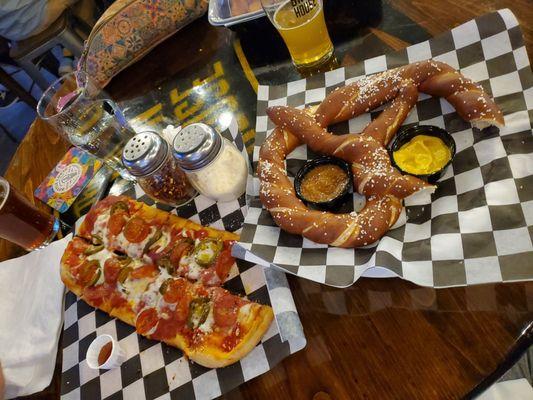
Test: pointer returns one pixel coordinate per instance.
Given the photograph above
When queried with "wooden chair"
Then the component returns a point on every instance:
(60, 32)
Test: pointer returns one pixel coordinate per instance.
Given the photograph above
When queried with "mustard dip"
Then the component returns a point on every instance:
(422, 155)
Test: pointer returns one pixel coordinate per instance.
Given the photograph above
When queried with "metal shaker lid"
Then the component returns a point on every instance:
(196, 145)
(144, 153)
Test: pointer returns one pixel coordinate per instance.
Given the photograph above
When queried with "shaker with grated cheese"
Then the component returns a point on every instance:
(213, 164)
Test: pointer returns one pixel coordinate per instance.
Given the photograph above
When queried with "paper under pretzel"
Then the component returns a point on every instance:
(373, 173)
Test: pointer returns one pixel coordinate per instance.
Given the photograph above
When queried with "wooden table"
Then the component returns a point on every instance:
(380, 338)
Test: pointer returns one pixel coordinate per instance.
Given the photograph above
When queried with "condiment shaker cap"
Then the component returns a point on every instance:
(196, 145)
(144, 153)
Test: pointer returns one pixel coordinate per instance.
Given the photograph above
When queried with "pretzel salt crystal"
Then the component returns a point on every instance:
(290, 213)
(372, 170)
(431, 77)
(373, 174)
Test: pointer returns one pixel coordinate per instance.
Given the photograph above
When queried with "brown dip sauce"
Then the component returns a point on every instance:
(105, 352)
(323, 183)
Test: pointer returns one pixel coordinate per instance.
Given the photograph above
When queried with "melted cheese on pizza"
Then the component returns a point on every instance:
(207, 326)
(100, 227)
(190, 267)
(133, 250)
(162, 243)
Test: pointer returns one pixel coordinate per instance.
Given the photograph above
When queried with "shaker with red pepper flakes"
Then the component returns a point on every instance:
(148, 158)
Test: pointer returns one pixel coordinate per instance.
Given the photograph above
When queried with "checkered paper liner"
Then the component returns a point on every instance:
(153, 370)
(477, 226)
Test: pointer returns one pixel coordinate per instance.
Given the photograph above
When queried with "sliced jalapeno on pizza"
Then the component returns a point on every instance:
(89, 273)
(198, 312)
(206, 251)
(119, 206)
(155, 237)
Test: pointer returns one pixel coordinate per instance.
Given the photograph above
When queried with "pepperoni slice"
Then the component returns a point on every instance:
(146, 320)
(117, 300)
(181, 312)
(78, 245)
(88, 223)
(210, 278)
(168, 326)
(225, 309)
(136, 230)
(95, 295)
(109, 202)
(201, 234)
(111, 270)
(72, 261)
(116, 223)
(100, 208)
(72, 254)
(175, 290)
(146, 271)
(179, 251)
(224, 263)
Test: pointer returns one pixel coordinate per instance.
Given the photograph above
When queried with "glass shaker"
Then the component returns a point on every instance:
(214, 166)
(147, 157)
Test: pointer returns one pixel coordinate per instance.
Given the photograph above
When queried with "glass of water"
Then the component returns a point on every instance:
(87, 118)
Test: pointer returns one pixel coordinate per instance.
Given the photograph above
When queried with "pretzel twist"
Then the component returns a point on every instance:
(374, 176)
(431, 77)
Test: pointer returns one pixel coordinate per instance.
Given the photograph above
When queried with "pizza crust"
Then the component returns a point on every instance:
(208, 355)
(66, 277)
(213, 357)
(124, 314)
(148, 213)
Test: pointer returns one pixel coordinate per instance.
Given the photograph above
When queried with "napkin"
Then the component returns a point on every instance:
(31, 304)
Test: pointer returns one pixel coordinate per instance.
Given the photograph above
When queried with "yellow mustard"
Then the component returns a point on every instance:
(422, 155)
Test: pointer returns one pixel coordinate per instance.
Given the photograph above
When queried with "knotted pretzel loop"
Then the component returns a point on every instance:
(374, 176)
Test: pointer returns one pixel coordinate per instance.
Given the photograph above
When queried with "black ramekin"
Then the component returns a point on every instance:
(406, 134)
(335, 203)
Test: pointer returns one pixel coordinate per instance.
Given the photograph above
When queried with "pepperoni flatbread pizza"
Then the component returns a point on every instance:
(162, 274)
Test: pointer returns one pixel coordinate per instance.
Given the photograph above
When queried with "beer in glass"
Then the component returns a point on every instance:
(303, 28)
(21, 222)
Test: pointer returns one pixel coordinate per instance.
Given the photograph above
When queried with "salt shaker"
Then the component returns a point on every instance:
(148, 157)
(213, 164)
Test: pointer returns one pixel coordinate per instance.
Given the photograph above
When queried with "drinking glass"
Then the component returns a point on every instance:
(303, 28)
(23, 223)
(84, 115)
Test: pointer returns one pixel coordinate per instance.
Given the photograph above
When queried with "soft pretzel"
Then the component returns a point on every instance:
(290, 213)
(431, 77)
(374, 176)
(371, 166)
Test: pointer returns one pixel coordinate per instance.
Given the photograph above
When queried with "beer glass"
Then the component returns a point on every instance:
(23, 223)
(303, 28)
(87, 118)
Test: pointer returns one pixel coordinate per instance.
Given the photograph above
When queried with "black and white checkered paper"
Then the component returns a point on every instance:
(477, 226)
(154, 370)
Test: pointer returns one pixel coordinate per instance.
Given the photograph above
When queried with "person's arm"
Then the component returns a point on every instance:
(20, 19)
